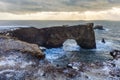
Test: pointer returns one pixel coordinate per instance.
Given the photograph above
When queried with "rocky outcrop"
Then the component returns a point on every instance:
(8, 44)
(115, 54)
(99, 27)
(55, 36)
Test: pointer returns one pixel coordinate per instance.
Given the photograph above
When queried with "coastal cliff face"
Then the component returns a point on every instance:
(55, 36)
(8, 44)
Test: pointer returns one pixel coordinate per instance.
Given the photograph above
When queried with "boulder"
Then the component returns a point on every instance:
(55, 36)
(115, 54)
(9, 44)
(99, 27)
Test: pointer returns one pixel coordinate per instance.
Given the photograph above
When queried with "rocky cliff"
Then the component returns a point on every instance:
(8, 44)
(55, 36)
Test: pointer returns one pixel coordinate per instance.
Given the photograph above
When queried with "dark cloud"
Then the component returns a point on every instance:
(29, 6)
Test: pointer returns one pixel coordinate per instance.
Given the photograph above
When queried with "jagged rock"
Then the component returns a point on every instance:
(115, 54)
(9, 44)
(55, 36)
(99, 27)
(103, 40)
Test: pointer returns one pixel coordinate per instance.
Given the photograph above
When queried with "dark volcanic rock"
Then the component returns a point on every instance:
(8, 44)
(55, 36)
(115, 54)
(99, 27)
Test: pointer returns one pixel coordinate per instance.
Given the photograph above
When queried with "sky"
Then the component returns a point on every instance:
(60, 10)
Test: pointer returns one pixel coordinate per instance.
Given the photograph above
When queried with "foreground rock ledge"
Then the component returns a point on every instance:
(55, 36)
(8, 44)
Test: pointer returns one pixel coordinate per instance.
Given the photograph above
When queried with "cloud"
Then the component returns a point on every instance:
(60, 9)
(110, 14)
(32, 6)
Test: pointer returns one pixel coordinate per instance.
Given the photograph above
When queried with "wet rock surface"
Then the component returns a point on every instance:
(55, 36)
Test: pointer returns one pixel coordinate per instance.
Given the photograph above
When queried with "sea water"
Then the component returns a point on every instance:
(71, 51)
(17, 65)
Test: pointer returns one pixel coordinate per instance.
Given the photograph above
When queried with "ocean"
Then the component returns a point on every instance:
(111, 34)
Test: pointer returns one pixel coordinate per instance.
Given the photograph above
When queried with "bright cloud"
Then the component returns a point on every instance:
(110, 14)
(59, 9)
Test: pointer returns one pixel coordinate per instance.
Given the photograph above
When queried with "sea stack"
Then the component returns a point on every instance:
(99, 27)
(55, 36)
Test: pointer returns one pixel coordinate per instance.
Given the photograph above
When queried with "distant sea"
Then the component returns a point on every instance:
(48, 23)
(111, 34)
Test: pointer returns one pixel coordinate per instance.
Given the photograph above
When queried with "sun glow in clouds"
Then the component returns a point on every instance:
(111, 14)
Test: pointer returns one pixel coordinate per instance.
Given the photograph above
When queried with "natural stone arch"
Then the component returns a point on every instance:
(55, 36)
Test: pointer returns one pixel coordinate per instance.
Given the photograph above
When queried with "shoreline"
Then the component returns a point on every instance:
(15, 65)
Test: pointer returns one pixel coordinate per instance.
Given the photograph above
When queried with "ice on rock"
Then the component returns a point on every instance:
(70, 45)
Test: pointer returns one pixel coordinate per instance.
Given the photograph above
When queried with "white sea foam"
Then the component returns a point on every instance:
(107, 46)
(42, 48)
(6, 27)
(105, 29)
(54, 53)
(10, 28)
(70, 45)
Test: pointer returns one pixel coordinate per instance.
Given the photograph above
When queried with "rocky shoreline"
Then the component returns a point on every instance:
(23, 60)
(18, 66)
(9, 44)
